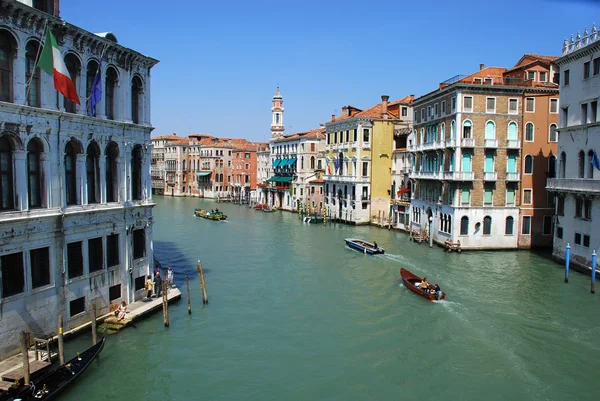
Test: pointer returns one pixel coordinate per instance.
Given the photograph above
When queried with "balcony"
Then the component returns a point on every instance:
(366, 145)
(441, 144)
(458, 175)
(513, 176)
(344, 178)
(468, 143)
(428, 145)
(490, 176)
(513, 144)
(426, 175)
(451, 143)
(490, 143)
(354, 145)
(575, 185)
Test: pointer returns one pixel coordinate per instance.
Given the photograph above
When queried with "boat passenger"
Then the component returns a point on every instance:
(437, 290)
(375, 245)
(217, 211)
(424, 285)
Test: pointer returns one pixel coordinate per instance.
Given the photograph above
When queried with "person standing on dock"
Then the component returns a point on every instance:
(169, 277)
(148, 287)
(158, 284)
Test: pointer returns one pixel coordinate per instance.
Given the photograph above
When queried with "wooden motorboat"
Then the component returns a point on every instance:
(411, 282)
(212, 215)
(364, 246)
(268, 209)
(49, 385)
(260, 207)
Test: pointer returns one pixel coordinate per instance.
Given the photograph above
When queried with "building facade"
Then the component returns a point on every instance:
(577, 183)
(76, 210)
(478, 141)
(157, 165)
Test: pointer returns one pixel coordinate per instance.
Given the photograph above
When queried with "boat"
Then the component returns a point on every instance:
(364, 246)
(212, 215)
(410, 281)
(49, 385)
(260, 207)
(268, 209)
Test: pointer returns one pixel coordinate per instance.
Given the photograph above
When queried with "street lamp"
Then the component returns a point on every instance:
(430, 233)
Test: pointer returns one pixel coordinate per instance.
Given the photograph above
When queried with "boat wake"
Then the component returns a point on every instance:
(397, 258)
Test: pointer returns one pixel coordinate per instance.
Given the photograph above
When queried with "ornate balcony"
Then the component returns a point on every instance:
(490, 176)
(458, 175)
(490, 143)
(467, 143)
(513, 176)
(513, 144)
(451, 143)
(441, 144)
(573, 185)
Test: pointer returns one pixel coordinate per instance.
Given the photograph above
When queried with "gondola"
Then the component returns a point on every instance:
(49, 385)
(410, 281)
(364, 246)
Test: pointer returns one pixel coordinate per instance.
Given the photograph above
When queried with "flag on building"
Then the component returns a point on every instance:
(596, 161)
(96, 93)
(52, 63)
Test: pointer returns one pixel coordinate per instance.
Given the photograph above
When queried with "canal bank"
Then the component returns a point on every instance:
(294, 314)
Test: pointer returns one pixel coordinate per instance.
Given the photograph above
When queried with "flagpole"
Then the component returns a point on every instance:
(37, 59)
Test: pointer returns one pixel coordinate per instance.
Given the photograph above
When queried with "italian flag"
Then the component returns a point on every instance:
(51, 62)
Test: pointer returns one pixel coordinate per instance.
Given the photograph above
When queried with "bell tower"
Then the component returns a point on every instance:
(277, 127)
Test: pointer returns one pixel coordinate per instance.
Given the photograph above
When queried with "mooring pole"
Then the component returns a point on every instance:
(165, 302)
(25, 353)
(567, 261)
(593, 289)
(61, 349)
(187, 286)
(93, 319)
(202, 283)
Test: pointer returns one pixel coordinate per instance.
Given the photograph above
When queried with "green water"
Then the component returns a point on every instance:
(295, 315)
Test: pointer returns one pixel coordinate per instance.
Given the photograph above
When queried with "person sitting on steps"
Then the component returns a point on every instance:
(121, 311)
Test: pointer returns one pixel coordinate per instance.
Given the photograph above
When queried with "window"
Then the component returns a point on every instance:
(95, 258)
(32, 76)
(560, 206)
(509, 226)
(578, 207)
(477, 80)
(587, 209)
(112, 250)
(597, 66)
(404, 111)
(530, 104)
(590, 173)
(40, 267)
(13, 274)
(6, 173)
(529, 132)
(526, 229)
(578, 238)
(136, 97)
(422, 114)
(559, 232)
(366, 135)
(543, 76)
(429, 111)
(581, 165)
(553, 137)
(73, 66)
(34, 181)
(92, 168)
(547, 228)
(586, 241)
(566, 75)
(488, 81)
(467, 129)
(140, 283)
(584, 113)
(510, 195)
(8, 51)
(443, 107)
(465, 196)
(453, 104)
(109, 93)
(356, 134)
(488, 196)
(70, 173)
(565, 116)
(552, 166)
(562, 165)
(593, 111)
(114, 292)
(487, 225)
(112, 172)
(74, 259)
(468, 103)
(77, 306)
(554, 106)
(435, 109)
(531, 75)
(139, 243)
(136, 173)
(464, 225)
(90, 74)
(528, 164)
(586, 70)
(527, 196)
(490, 105)
(365, 169)
(513, 106)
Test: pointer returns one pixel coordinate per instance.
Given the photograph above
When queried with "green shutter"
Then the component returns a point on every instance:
(488, 194)
(464, 196)
(510, 196)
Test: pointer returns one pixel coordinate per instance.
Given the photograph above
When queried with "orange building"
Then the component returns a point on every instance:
(244, 172)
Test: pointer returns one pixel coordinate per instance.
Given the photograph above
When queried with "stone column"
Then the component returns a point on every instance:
(47, 181)
(19, 77)
(124, 98)
(21, 187)
(102, 167)
(80, 175)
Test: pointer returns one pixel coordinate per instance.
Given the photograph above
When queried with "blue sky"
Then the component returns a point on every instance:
(220, 61)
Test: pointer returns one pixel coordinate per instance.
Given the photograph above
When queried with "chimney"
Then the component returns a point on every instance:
(333, 117)
(411, 98)
(481, 67)
(384, 106)
(345, 110)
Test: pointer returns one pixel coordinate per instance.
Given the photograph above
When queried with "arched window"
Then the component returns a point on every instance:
(529, 132)
(312, 162)
(136, 173)
(453, 129)
(8, 51)
(6, 174)
(90, 74)
(92, 173)
(590, 173)
(32, 74)
(581, 165)
(443, 132)
(528, 164)
(552, 166)
(464, 225)
(136, 92)
(467, 126)
(512, 131)
(109, 93)
(449, 231)
(563, 165)
(112, 175)
(34, 172)
(71, 172)
(487, 225)
(509, 227)
(183, 165)
(73, 66)
(490, 130)
(302, 163)
(553, 137)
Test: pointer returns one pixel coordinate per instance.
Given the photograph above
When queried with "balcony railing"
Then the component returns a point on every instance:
(451, 143)
(428, 145)
(366, 145)
(490, 143)
(468, 143)
(490, 176)
(441, 144)
(458, 175)
(513, 144)
(344, 178)
(513, 176)
(582, 185)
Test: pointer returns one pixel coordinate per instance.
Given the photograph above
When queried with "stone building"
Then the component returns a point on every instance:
(577, 184)
(157, 165)
(484, 144)
(76, 204)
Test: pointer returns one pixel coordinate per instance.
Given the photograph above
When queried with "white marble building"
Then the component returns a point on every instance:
(75, 191)
(577, 186)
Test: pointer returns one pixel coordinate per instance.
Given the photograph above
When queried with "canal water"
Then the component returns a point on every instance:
(295, 315)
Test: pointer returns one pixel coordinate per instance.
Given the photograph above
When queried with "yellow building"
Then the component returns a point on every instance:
(359, 160)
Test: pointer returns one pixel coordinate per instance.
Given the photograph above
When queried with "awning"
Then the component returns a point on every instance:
(284, 162)
(202, 173)
(285, 179)
(291, 161)
(276, 162)
(272, 179)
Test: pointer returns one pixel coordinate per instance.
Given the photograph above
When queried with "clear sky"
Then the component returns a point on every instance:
(220, 61)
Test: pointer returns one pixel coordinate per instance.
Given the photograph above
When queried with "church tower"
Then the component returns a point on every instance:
(277, 116)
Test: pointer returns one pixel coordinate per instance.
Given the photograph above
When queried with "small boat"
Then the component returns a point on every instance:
(411, 281)
(213, 215)
(260, 207)
(364, 246)
(49, 385)
(268, 209)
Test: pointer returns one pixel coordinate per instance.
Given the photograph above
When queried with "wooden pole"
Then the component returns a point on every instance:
(61, 349)
(165, 301)
(25, 354)
(93, 319)
(187, 286)
(202, 283)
